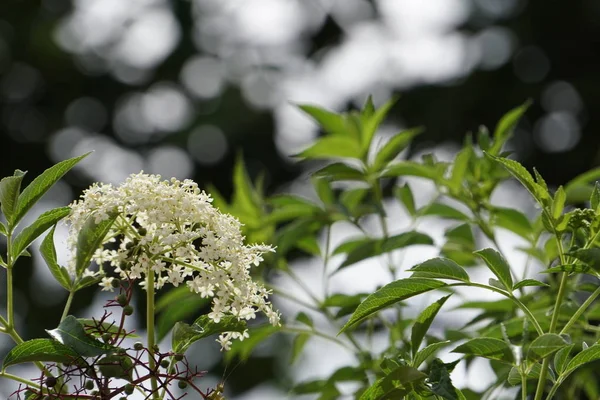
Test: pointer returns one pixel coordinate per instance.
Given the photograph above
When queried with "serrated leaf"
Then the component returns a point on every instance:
(513, 220)
(440, 268)
(110, 327)
(590, 354)
(90, 238)
(332, 147)
(389, 294)
(298, 345)
(498, 265)
(521, 174)
(3, 230)
(444, 211)
(562, 357)
(39, 226)
(42, 350)
(423, 322)
(428, 351)
(49, 254)
(404, 194)
(394, 385)
(514, 376)
(493, 349)
(71, 333)
(506, 126)
(439, 378)
(185, 335)
(9, 194)
(545, 345)
(41, 184)
(394, 147)
(529, 282)
(340, 172)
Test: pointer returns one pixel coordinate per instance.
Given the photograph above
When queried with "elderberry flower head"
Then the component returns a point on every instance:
(169, 231)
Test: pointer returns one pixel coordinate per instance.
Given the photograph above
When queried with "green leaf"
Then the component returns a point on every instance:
(440, 268)
(43, 350)
(332, 147)
(324, 191)
(459, 168)
(428, 351)
(371, 124)
(562, 357)
(514, 376)
(394, 147)
(494, 349)
(411, 168)
(404, 194)
(506, 125)
(245, 197)
(595, 198)
(116, 366)
(87, 281)
(331, 122)
(389, 294)
(589, 256)
(558, 205)
(444, 211)
(110, 327)
(367, 248)
(30, 233)
(298, 345)
(590, 354)
(305, 319)
(178, 304)
(570, 268)
(529, 282)
(340, 172)
(243, 349)
(498, 265)
(3, 230)
(545, 345)
(49, 254)
(423, 322)
(512, 220)
(520, 173)
(72, 334)
(185, 335)
(394, 385)
(90, 238)
(439, 378)
(9, 194)
(346, 303)
(40, 185)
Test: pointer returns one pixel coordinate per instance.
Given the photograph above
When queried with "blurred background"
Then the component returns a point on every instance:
(179, 88)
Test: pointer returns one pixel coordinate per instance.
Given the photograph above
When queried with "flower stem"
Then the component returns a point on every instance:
(539, 392)
(9, 282)
(150, 330)
(19, 379)
(67, 305)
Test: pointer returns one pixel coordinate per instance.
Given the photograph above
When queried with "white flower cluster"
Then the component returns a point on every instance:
(170, 229)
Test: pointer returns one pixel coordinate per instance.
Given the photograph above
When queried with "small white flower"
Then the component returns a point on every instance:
(106, 284)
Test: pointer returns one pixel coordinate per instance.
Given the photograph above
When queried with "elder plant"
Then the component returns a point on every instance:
(541, 338)
(145, 232)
